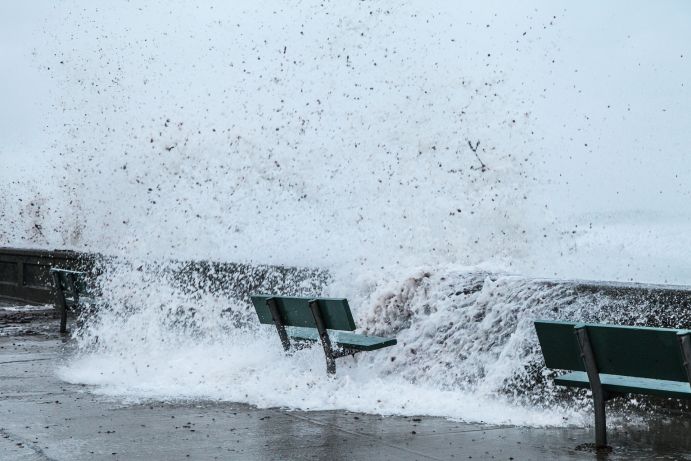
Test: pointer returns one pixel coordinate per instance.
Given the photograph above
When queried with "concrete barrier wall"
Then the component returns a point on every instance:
(667, 306)
(25, 276)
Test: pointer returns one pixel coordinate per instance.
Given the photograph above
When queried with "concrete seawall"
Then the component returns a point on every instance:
(24, 276)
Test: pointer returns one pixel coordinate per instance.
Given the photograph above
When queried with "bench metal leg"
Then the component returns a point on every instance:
(600, 420)
(599, 394)
(72, 285)
(324, 336)
(278, 321)
(330, 363)
(63, 320)
(60, 302)
(685, 345)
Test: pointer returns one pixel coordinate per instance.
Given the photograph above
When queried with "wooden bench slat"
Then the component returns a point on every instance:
(326, 320)
(641, 352)
(71, 292)
(612, 360)
(87, 299)
(296, 312)
(559, 345)
(66, 271)
(627, 384)
(79, 282)
(342, 338)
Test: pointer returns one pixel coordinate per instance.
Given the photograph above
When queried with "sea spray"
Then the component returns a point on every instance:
(466, 345)
(384, 145)
(315, 135)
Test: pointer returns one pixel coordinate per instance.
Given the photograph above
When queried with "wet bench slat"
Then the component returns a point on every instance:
(628, 385)
(71, 292)
(328, 320)
(342, 339)
(613, 360)
(295, 311)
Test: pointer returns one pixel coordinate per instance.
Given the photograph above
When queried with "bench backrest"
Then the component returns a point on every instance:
(296, 312)
(641, 352)
(63, 276)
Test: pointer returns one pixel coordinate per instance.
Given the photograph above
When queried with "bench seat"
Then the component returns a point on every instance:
(325, 320)
(628, 384)
(342, 339)
(71, 293)
(616, 360)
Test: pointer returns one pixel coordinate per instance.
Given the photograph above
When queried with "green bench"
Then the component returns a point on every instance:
(71, 293)
(316, 319)
(613, 361)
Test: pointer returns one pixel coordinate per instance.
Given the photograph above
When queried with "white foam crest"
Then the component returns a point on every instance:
(252, 368)
(465, 347)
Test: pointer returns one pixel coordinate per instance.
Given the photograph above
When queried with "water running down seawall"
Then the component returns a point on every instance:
(466, 345)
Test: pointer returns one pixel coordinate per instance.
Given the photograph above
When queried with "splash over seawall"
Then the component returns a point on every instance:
(325, 134)
(466, 345)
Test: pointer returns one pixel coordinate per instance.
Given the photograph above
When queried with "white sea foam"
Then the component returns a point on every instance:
(462, 350)
(252, 368)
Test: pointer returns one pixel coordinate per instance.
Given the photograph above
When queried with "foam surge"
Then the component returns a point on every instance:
(466, 346)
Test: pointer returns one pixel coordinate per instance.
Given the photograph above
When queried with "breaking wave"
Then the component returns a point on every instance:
(466, 344)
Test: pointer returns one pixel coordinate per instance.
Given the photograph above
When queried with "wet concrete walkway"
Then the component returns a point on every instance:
(43, 418)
